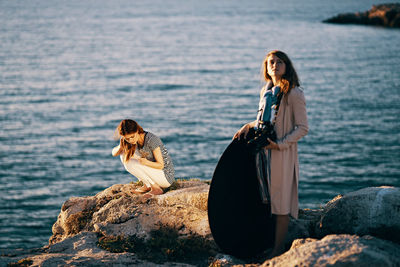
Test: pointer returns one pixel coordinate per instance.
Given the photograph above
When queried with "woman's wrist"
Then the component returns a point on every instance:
(115, 150)
(151, 164)
(251, 124)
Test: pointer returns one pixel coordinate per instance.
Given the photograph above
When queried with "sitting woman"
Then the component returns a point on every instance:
(144, 156)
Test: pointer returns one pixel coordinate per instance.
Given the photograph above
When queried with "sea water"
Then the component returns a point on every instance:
(188, 71)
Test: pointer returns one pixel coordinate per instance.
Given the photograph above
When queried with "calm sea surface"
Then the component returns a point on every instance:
(188, 71)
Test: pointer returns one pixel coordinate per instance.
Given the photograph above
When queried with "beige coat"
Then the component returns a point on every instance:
(291, 125)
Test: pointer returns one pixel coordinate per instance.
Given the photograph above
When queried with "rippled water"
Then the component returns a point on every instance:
(189, 72)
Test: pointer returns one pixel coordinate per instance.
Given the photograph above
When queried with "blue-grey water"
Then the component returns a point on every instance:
(188, 71)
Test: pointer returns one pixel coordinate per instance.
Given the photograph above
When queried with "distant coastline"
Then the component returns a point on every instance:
(386, 15)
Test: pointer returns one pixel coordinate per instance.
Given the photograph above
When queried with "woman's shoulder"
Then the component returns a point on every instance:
(152, 138)
(262, 91)
(296, 92)
(296, 95)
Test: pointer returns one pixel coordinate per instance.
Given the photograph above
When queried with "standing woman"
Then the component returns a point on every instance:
(143, 155)
(290, 125)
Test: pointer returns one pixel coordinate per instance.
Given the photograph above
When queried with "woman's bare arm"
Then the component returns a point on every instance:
(117, 150)
(158, 164)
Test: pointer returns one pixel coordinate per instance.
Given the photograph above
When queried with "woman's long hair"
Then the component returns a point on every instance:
(290, 79)
(126, 127)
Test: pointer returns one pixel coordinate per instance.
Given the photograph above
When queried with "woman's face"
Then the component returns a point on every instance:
(132, 138)
(276, 68)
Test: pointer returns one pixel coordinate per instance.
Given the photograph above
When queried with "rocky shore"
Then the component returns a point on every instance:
(386, 15)
(118, 228)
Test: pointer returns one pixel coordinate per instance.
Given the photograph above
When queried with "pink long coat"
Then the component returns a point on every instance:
(291, 125)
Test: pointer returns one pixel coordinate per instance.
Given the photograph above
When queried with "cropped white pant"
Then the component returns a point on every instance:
(145, 174)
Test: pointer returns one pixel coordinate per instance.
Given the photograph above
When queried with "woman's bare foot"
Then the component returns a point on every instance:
(275, 253)
(142, 190)
(281, 229)
(155, 190)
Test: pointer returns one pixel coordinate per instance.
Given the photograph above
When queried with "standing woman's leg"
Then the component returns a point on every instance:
(281, 229)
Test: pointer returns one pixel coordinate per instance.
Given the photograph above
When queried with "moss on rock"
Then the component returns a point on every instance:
(21, 263)
(164, 244)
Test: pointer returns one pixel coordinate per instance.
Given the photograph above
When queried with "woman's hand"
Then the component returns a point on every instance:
(243, 131)
(157, 164)
(116, 151)
(272, 145)
(143, 161)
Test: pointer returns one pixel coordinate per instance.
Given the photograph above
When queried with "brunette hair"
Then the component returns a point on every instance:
(127, 127)
(289, 79)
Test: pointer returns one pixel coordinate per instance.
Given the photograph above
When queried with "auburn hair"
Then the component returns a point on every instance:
(124, 128)
(290, 79)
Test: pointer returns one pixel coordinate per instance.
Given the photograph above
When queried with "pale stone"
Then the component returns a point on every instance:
(117, 212)
(340, 250)
(372, 210)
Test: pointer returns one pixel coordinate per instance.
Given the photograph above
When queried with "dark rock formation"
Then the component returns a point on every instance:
(386, 15)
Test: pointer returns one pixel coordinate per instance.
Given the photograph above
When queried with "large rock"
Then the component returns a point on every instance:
(174, 223)
(117, 212)
(339, 250)
(118, 228)
(82, 250)
(387, 15)
(373, 210)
